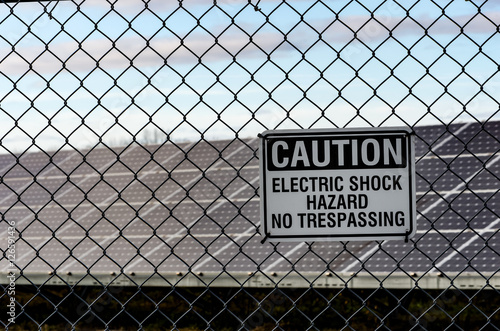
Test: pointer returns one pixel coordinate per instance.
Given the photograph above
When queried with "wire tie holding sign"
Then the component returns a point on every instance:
(266, 235)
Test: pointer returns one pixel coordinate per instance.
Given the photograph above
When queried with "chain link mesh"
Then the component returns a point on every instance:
(129, 162)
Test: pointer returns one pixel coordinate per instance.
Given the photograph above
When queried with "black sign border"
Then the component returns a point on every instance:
(406, 132)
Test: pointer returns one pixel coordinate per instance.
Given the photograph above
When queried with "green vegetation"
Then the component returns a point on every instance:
(92, 308)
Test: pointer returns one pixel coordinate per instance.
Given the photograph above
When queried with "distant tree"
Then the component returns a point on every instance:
(152, 136)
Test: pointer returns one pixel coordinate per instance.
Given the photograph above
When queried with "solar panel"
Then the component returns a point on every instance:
(194, 207)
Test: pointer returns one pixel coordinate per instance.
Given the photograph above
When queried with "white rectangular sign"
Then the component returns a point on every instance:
(337, 184)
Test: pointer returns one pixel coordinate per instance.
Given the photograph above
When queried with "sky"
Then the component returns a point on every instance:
(73, 73)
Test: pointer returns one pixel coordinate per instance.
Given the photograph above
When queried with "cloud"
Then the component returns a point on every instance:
(133, 49)
(367, 29)
(136, 51)
(127, 7)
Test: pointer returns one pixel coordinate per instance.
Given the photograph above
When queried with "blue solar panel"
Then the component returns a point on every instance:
(195, 206)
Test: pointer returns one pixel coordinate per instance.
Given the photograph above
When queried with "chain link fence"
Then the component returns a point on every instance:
(129, 192)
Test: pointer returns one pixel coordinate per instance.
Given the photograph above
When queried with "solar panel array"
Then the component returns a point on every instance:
(194, 208)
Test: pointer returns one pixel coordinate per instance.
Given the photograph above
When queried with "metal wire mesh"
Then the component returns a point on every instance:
(129, 166)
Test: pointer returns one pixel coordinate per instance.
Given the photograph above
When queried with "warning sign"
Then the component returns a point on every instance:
(342, 184)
